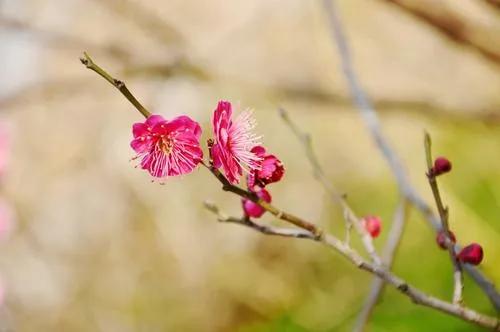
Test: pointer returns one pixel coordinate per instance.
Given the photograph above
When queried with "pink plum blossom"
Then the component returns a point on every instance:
(234, 141)
(271, 169)
(167, 147)
(254, 210)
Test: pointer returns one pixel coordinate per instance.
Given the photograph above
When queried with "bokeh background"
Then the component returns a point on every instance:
(95, 246)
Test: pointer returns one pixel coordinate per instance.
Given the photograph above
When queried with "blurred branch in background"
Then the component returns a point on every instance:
(495, 3)
(35, 92)
(455, 25)
(63, 40)
(146, 19)
(371, 120)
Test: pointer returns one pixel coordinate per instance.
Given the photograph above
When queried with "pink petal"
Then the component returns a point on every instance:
(216, 155)
(141, 144)
(184, 123)
(154, 119)
(139, 129)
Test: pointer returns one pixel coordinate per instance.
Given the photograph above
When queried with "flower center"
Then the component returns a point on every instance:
(166, 144)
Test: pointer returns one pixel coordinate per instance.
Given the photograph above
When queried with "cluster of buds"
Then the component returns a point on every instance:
(472, 253)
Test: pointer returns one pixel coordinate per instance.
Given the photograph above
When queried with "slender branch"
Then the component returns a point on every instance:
(319, 174)
(285, 232)
(443, 214)
(416, 295)
(288, 217)
(120, 85)
(388, 255)
(371, 120)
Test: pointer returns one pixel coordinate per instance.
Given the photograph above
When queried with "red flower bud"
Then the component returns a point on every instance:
(372, 225)
(254, 210)
(472, 254)
(271, 169)
(441, 166)
(441, 239)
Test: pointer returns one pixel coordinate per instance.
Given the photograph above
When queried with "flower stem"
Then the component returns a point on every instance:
(120, 85)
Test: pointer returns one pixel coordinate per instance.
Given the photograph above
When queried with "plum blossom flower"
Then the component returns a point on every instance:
(254, 210)
(167, 147)
(271, 169)
(234, 141)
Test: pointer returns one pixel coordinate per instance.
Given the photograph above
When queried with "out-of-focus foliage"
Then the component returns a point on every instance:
(99, 247)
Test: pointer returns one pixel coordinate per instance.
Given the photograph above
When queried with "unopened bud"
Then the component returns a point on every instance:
(441, 239)
(441, 165)
(373, 225)
(472, 254)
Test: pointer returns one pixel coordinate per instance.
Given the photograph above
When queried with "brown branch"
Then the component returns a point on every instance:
(388, 255)
(319, 174)
(288, 217)
(371, 120)
(453, 25)
(285, 232)
(120, 85)
(416, 295)
(444, 214)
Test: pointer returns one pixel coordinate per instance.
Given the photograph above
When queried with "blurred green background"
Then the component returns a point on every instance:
(98, 247)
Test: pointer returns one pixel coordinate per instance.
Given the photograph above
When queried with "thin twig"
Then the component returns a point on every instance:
(288, 217)
(416, 295)
(388, 254)
(444, 214)
(285, 232)
(319, 174)
(371, 120)
(120, 85)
